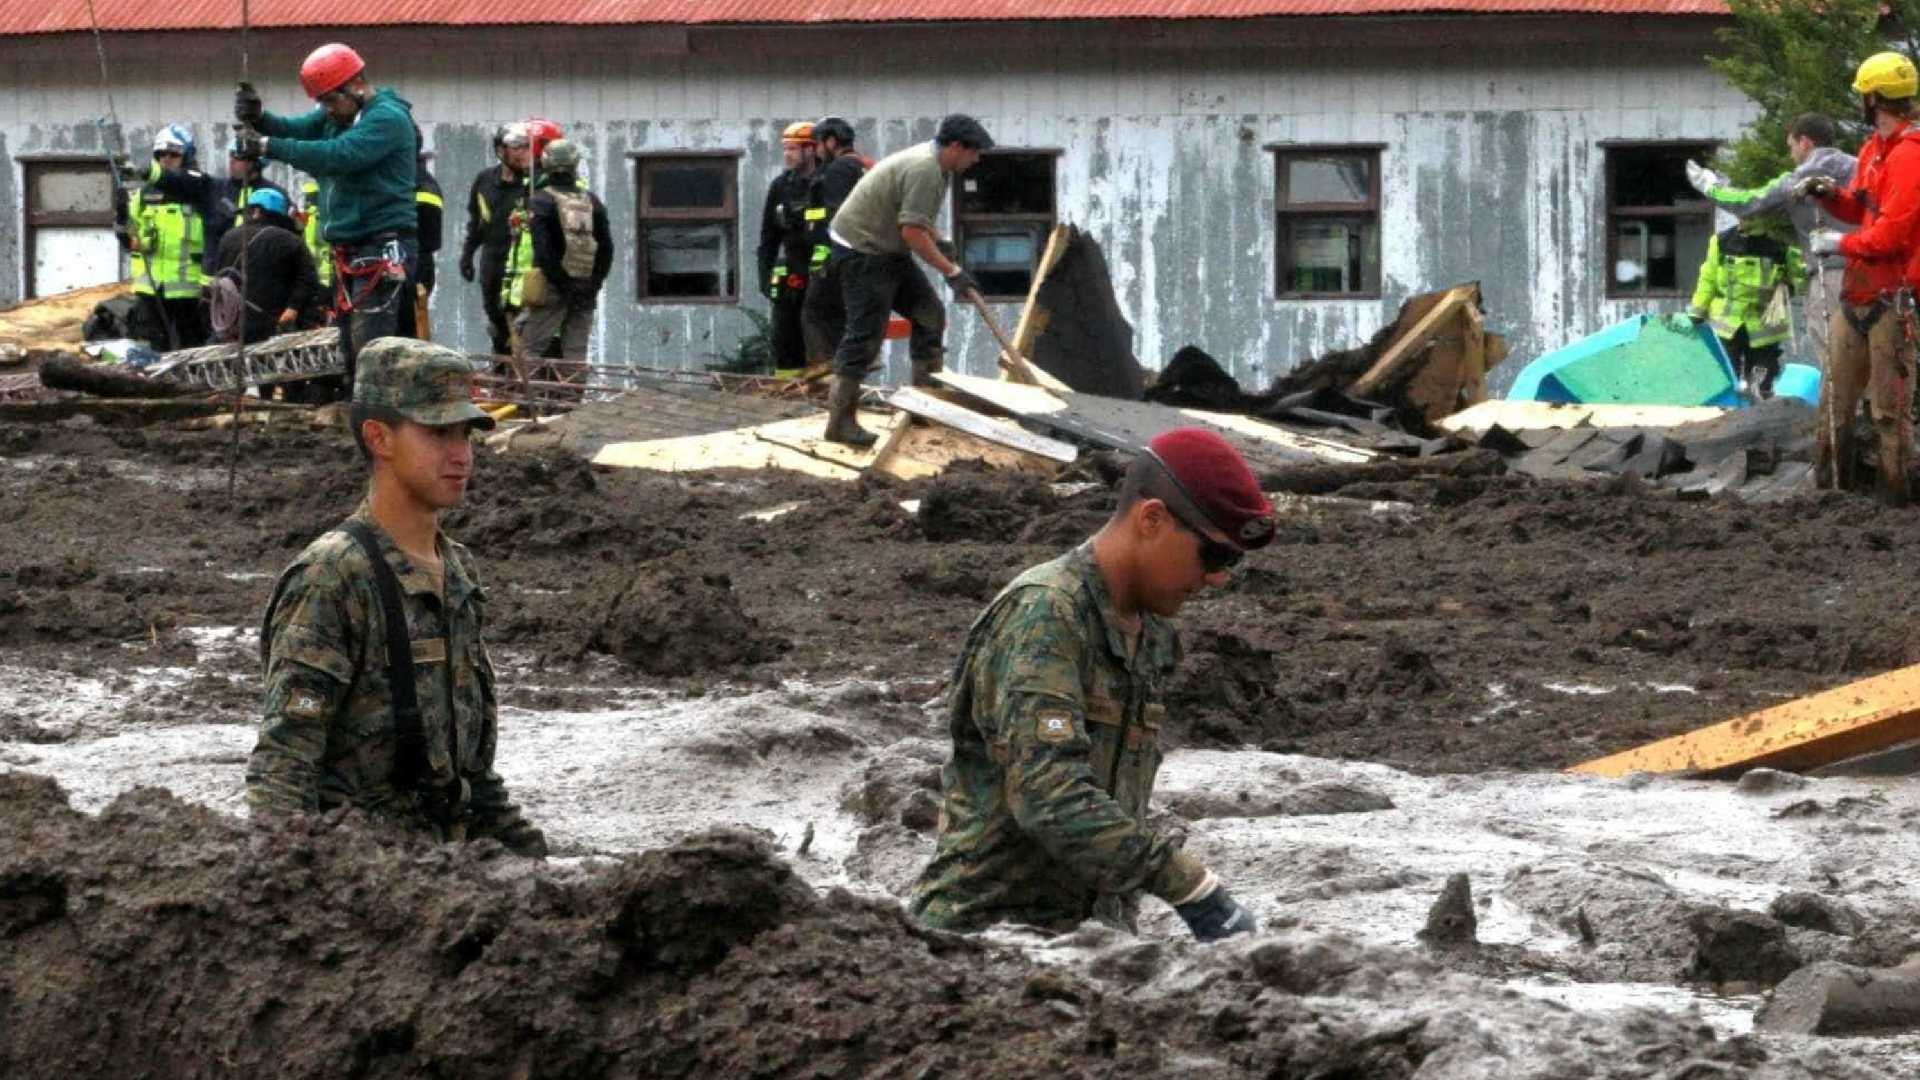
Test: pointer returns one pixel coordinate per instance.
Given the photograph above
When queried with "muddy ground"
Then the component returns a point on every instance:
(1348, 709)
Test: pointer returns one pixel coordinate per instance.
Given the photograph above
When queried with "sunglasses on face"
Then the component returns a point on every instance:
(1215, 556)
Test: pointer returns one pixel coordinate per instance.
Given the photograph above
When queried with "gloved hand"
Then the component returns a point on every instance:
(945, 247)
(1696, 316)
(248, 143)
(1815, 187)
(246, 105)
(962, 283)
(466, 265)
(1215, 916)
(1703, 179)
(1823, 242)
(121, 165)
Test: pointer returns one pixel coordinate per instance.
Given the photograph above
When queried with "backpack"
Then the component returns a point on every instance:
(576, 228)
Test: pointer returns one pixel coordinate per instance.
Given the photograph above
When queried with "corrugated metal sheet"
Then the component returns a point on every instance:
(71, 15)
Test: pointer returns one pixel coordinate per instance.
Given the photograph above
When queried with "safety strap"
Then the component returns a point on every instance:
(1863, 323)
(410, 759)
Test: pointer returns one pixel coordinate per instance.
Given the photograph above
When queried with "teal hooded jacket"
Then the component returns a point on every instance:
(365, 168)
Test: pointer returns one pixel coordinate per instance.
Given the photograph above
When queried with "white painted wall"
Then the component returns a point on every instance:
(1492, 169)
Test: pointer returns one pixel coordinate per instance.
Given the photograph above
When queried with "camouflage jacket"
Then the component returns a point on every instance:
(327, 738)
(1056, 744)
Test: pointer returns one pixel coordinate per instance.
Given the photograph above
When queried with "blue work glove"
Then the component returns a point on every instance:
(1216, 915)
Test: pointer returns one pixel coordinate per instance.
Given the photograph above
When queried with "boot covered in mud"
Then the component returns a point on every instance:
(1896, 458)
(924, 368)
(843, 425)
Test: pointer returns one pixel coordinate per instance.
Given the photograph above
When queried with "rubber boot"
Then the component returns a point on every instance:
(1896, 454)
(923, 369)
(843, 407)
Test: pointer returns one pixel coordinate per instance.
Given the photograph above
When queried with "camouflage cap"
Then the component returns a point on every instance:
(423, 382)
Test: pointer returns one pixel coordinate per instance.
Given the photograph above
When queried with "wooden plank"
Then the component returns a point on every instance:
(1830, 726)
(805, 436)
(1325, 449)
(889, 446)
(1033, 317)
(1543, 415)
(1016, 398)
(793, 445)
(932, 408)
(929, 449)
(1408, 344)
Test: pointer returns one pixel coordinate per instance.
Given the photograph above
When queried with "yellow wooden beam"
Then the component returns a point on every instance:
(1833, 725)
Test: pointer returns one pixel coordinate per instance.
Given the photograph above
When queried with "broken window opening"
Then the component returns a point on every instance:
(687, 225)
(1003, 211)
(69, 226)
(1326, 222)
(1657, 225)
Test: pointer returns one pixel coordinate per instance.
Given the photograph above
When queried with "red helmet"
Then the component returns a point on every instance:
(540, 133)
(328, 68)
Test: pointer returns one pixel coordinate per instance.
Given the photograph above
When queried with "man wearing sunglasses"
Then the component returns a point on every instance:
(1056, 716)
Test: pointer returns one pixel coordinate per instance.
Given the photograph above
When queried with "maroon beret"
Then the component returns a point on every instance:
(1214, 476)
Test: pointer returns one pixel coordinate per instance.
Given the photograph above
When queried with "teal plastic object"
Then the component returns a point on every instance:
(1798, 381)
(1647, 360)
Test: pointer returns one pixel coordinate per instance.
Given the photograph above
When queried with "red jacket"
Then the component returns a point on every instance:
(1884, 253)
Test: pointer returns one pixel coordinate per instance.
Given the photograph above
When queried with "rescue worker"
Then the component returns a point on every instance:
(891, 216)
(166, 236)
(380, 694)
(823, 318)
(430, 218)
(784, 247)
(1810, 145)
(568, 249)
(359, 142)
(245, 175)
(496, 194)
(1742, 290)
(1872, 335)
(1056, 716)
(311, 229)
(281, 290)
(540, 134)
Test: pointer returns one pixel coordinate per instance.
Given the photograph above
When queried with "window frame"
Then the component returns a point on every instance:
(1046, 221)
(727, 214)
(31, 221)
(1282, 253)
(1706, 147)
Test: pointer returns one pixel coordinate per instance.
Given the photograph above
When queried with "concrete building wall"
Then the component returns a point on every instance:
(1493, 164)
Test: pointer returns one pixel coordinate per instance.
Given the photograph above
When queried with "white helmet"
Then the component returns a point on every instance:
(174, 139)
(514, 135)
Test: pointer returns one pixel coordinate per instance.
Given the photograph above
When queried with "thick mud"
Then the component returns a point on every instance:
(1452, 625)
(163, 939)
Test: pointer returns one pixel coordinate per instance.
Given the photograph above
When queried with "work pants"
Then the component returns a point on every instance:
(370, 297)
(787, 344)
(1756, 364)
(187, 315)
(1880, 365)
(823, 317)
(873, 287)
(1822, 300)
(568, 315)
(493, 274)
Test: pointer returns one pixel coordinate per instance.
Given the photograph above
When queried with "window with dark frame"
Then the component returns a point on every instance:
(687, 225)
(1326, 221)
(69, 225)
(1003, 211)
(1657, 225)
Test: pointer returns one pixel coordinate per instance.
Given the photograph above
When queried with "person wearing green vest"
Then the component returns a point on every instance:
(1743, 290)
(565, 254)
(166, 238)
(310, 230)
(245, 175)
(540, 134)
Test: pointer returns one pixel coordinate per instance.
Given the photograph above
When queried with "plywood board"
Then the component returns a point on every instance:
(793, 445)
(1325, 449)
(1541, 415)
(1855, 719)
(1408, 344)
(926, 449)
(1016, 398)
(928, 407)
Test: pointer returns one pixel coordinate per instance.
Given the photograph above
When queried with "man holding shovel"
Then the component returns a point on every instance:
(890, 217)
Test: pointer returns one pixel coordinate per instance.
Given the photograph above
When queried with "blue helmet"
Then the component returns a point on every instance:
(174, 138)
(269, 200)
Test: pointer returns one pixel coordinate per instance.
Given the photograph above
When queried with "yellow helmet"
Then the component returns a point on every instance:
(801, 131)
(1889, 74)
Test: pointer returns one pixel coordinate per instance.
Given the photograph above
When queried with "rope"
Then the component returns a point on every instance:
(240, 363)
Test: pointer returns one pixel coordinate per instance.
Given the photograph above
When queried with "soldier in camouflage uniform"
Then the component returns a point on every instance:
(1056, 718)
(330, 736)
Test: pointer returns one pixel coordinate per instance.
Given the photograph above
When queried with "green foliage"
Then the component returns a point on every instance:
(753, 353)
(1795, 56)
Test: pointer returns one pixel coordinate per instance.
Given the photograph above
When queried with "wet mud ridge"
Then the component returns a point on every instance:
(165, 940)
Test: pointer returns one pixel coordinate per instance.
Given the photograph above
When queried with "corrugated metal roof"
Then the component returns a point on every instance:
(71, 15)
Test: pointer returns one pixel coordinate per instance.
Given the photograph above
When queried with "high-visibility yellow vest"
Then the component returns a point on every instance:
(171, 240)
(520, 255)
(322, 251)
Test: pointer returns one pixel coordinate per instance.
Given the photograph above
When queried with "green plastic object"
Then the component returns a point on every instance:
(1646, 360)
